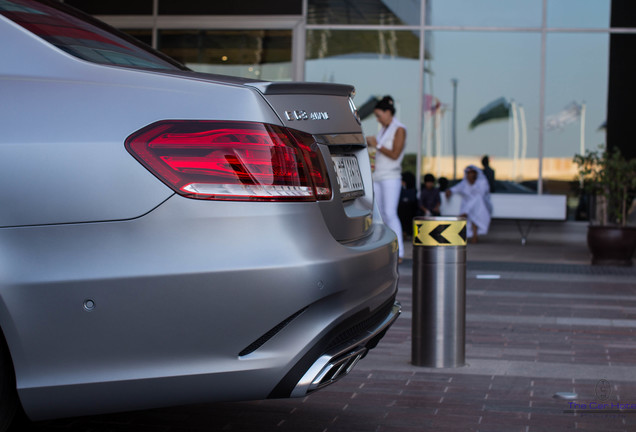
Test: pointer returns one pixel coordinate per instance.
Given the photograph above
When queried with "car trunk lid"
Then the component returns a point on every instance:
(327, 112)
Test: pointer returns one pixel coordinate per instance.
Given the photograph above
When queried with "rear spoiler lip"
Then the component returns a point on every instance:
(315, 88)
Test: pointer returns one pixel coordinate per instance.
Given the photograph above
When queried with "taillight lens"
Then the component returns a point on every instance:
(315, 163)
(232, 160)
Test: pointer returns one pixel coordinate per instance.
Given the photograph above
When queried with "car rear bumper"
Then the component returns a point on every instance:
(180, 296)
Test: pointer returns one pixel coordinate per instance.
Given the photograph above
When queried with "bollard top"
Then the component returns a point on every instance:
(439, 231)
(439, 218)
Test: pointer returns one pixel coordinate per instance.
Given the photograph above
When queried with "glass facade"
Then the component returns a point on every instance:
(370, 60)
(366, 12)
(207, 7)
(487, 66)
(591, 14)
(576, 74)
(542, 64)
(362, 43)
(113, 7)
(486, 13)
(257, 54)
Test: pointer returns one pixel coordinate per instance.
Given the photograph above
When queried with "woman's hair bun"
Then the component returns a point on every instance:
(386, 103)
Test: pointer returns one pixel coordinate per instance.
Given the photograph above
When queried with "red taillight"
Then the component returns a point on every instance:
(315, 162)
(232, 160)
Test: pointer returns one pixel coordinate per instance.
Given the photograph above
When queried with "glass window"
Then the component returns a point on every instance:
(248, 7)
(259, 54)
(576, 94)
(363, 43)
(497, 108)
(113, 7)
(362, 59)
(489, 13)
(578, 13)
(387, 12)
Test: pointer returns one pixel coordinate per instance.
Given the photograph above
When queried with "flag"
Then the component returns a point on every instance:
(495, 110)
(569, 114)
(366, 109)
(431, 103)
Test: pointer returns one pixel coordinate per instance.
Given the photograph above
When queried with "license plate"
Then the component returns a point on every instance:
(349, 177)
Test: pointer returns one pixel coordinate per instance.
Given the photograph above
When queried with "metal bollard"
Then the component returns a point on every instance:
(439, 292)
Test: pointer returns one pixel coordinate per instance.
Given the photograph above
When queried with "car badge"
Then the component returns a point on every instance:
(304, 115)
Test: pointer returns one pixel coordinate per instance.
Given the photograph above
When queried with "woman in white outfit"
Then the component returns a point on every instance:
(476, 206)
(387, 177)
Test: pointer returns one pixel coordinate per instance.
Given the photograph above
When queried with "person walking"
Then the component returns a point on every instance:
(488, 172)
(476, 206)
(387, 177)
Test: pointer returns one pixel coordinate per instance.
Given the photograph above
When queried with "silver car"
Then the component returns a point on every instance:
(169, 237)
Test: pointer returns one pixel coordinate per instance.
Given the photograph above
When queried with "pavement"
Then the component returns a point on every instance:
(550, 346)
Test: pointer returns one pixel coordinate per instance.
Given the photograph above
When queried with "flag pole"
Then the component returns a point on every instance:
(454, 81)
(438, 141)
(582, 121)
(510, 139)
(515, 131)
(524, 138)
(428, 128)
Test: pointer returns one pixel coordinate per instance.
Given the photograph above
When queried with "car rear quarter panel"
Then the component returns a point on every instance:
(62, 155)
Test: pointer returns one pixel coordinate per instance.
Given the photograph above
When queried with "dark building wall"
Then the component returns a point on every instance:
(190, 7)
(621, 106)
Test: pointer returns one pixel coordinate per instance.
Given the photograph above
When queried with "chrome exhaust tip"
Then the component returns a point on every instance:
(327, 370)
(340, 360)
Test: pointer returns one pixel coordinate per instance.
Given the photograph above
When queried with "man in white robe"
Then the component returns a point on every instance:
(476, 206)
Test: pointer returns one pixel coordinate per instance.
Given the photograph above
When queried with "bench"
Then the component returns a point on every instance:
(522, 208)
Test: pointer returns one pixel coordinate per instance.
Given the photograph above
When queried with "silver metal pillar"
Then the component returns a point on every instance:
(439, 292)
